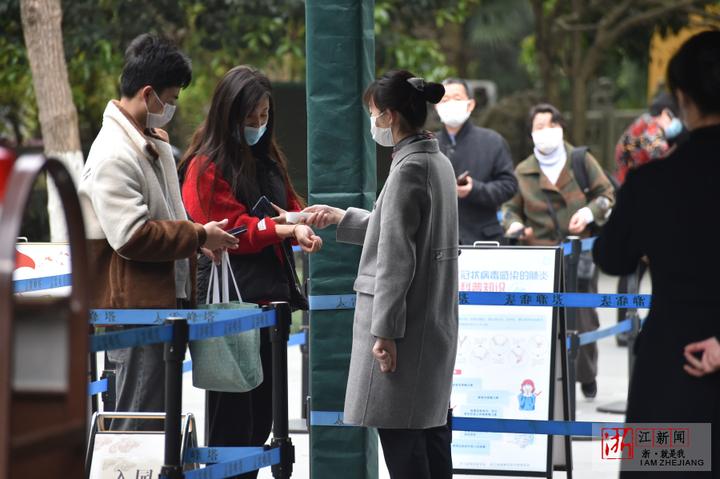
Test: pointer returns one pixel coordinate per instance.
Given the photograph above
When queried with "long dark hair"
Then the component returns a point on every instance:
(220, 137)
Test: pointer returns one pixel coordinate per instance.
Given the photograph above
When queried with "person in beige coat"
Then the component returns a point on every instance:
(406, 316)
(141, 245)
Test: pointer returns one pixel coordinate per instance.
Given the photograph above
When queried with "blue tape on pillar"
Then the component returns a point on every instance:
(563, 300)
(332, 301)
(187, 366)
(232, 326)
(97, 387)
(39, 284)
(327, 418)
(130, 338)
(213, 455)
(236, 467)
(522, 426)
(158, 316)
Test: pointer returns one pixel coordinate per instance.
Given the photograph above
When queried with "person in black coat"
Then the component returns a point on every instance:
(657, 214)
(481, 153)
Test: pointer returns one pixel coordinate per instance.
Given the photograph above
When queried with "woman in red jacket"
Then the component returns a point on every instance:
(233, 161)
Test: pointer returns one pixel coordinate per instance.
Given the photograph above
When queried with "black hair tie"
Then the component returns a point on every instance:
(417, 83)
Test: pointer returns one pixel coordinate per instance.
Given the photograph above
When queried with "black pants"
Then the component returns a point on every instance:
(417, 453)
(242, 419)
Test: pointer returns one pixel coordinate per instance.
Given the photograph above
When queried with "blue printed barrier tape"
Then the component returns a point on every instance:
(236, 467)
(213, 455)
(97, 387)
(563, 300)
(585, 245)
(232, 326)
(187, 366)
(523, 426)
(39, 284)
(519, 426)
(158, 316)
(162, 334)
(332, 301)
(592, 336)
(130, 338)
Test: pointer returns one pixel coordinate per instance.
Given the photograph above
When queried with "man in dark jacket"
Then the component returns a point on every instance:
(482, 162)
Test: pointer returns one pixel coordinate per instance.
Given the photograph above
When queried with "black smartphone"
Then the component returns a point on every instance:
(462, 179)
(238, 230)
(263, 208)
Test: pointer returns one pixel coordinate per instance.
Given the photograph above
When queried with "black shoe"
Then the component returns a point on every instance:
(622, 339)
(589, 390)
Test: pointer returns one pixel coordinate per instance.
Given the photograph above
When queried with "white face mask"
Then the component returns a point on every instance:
(547, 140)
(158, 120)
(382, 136)
(454, 113)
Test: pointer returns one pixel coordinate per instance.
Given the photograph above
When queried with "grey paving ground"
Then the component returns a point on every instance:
(612, 386)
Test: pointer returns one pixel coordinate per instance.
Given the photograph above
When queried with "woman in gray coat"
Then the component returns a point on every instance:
(405, 328)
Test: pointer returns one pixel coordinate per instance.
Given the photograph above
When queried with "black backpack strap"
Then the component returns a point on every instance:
(553, 215)
(577, 158)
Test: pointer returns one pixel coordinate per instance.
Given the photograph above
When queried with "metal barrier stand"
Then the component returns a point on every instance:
(174, 356)
(279, 335)
(571, 285)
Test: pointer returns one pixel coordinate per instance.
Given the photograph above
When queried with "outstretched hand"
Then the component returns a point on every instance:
(322, 216)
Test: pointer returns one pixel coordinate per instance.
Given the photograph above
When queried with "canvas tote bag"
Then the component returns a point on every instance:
(229, 363)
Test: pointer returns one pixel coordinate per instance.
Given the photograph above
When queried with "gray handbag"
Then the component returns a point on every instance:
(229, 363)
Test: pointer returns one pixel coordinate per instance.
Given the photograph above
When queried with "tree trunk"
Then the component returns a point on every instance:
(41, 21)
(579, 109)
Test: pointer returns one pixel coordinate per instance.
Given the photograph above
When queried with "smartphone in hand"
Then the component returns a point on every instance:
(263, 208)
(463, 178)
(237, 231)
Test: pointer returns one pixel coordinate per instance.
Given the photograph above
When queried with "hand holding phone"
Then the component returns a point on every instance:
(463, 178)
(238, 230)
(262, 208)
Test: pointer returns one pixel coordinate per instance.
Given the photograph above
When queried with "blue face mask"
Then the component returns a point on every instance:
(674, 129)
(253, 135)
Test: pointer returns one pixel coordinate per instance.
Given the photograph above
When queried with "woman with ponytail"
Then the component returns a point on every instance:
(405, 328)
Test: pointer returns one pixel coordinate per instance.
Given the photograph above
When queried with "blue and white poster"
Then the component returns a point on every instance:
(505, 358)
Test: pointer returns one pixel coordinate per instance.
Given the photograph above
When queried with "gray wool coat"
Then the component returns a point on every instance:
(407, 290)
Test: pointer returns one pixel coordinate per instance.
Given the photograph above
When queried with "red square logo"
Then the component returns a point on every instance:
(617, 443)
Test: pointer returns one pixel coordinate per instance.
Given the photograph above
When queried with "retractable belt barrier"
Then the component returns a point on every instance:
(518, 426)
(230, 461)
(190, 325)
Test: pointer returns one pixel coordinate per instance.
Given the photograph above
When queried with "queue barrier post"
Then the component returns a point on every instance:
(174, 355)
(571, 285)
(279, 335)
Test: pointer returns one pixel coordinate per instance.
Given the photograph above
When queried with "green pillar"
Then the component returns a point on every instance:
(341, 172)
